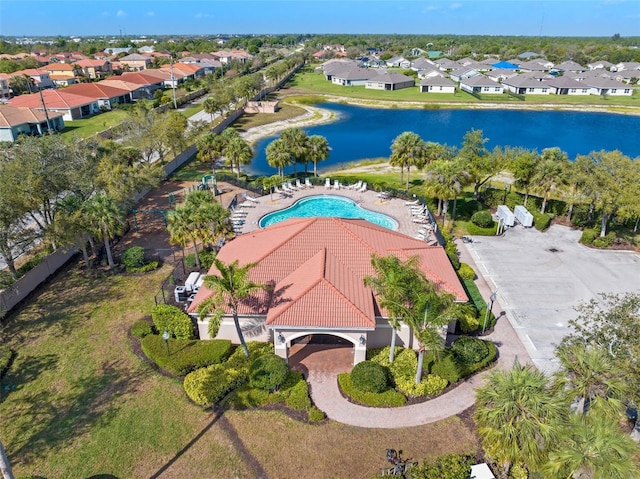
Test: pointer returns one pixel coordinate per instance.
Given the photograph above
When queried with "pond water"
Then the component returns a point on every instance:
(362, 133)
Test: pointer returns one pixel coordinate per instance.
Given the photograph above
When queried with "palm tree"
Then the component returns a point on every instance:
(408, 150)
(517, 413)
(594, 378)
(549, 173)
(523, 167)
(431, 312)
(105, 220)
(593, 447)
(445, 180)
(392, 283)
(209, 148)
(238, 152)
(211, 106)
(318, 150)
(230, 287)
(296, 141)
(278, 155)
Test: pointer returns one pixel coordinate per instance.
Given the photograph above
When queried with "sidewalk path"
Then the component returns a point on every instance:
(326, 394)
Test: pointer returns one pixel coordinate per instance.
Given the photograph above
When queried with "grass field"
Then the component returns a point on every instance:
(86, 127)
(85, 404)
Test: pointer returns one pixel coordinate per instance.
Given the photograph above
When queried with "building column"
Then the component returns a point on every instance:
(360, 350)
(280, 346)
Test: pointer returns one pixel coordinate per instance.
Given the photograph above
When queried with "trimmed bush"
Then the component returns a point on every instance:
(133, 257)
(541, 221)
(475, 230)
(368, 376)
(141, 328)
(491, 319)
(474, 294)
(469, 323)
(388, 398)
(588, 236)
(404, 365)
(316, 415)
(450, 466)
(447, 368)
(483, 219)
(185, 355)
(606, 241)
(268, 372)
(171, 318)
(469, 369)
(207, 386)
(470, 350)
(429, 386)
(466, 272)
(297, 395)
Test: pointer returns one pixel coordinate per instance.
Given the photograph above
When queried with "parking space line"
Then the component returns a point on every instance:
(531, 342)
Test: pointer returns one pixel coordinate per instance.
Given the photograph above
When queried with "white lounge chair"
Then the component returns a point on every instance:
(299, 185)
(286, 189)
(336, 185)
(412, 203)
(253, 200)
(291, 187)
(363, 188)
(355, 186)
(277, 190)
(327, 184)
(308, 183)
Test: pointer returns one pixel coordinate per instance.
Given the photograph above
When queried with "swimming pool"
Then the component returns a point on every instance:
(329, 206)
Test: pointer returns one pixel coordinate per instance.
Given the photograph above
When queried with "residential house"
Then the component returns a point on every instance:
(351, 77)
(463, 73)
(422, 63)
(608, 86)
(446, 64)
(314, 268)
(208, 65)
(528, 55)
(436, 84)
(626, 66)
(480, 84)
(5, 88)
(539, 65)
(466, 61)
(226, 57)
(40, 77)
(337, 65)
(600, 65)
(430, 72)
(149, 83)
(398, 62)
(568, 66)
(107, 95)
(116, 51)
(60, 70)
(27, 121)
(565, 85)
(94, 69)
(417, 52)
(136, 62)
(505, 66)
(389, 81)
(525, 85)
(500, 74)
(136, 90)
(73, 107)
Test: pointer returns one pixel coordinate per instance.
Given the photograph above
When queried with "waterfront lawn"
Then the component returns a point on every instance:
(84, 404)
(286, 111)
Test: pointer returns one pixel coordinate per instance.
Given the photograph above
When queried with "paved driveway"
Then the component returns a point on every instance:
(541, 277)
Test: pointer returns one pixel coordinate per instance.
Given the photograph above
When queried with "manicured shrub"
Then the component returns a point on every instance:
(466, 272)
(268, 372)
(475, 230)
(606, 241)
(297, 395)
(315, 414)
(184, 355)
(469, 369)
(404, 363)
(447, 368)
(470, 350)
(141, 328)
(388, 398)
(171, 319)
(474, 294)
(541, 221)
(483, 219)
(450, 466)
(429, 386)
(588, 236)
(455, 260)
(469, 323)
(207, 386)
(133, 257)
(368, 376)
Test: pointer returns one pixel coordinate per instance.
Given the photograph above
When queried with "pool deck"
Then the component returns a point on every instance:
(370, 200)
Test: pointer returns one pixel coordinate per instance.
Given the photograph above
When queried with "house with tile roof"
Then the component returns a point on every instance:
(73, 107)
(107, 95)
(136, 62)
(5, 89)
(436, 84)
(40, 77)
(565, 85)
(314, 268)
(95, 68)
(136, 90)
(27, 121)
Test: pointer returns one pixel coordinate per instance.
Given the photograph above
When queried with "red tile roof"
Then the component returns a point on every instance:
(54, 99)
(95, 90)
(316, 267)
(11, 116)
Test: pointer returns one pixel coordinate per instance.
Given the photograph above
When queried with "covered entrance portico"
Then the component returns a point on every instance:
(284, 339)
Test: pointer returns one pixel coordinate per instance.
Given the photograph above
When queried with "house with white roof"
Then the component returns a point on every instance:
(459, 74)
(565, 85)
(525, 85)
(351, 77)
(389, 81)
(569, 66)
(608, 86)
(500, 74)
(398, 62)
(600, 65)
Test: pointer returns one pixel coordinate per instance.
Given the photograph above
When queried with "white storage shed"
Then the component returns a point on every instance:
(523, 216)
(505, 216)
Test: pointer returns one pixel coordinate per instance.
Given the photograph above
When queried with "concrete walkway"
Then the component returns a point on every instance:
(327, 397)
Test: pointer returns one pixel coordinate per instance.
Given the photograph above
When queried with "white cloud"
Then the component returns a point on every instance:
(121, 13)
(430, 8)
(454, 6)
(151, 14)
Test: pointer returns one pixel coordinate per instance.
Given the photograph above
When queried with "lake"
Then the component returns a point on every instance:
(365, 133)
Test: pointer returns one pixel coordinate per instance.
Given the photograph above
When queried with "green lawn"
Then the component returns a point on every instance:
(84, 404)
(90, 126)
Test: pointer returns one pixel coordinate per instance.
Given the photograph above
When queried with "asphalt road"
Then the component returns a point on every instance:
(541, 277)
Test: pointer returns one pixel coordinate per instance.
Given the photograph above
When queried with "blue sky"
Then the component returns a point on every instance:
(481, 17)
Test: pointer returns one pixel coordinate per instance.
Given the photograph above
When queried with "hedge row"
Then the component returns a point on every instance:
(388, 398)
(184, 355)
(172, 319)
(294, 392)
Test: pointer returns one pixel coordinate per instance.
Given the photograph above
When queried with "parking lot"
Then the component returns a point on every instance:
(541, 277)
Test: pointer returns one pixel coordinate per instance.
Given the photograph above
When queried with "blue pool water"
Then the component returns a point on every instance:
(328, 206)
(361, 133)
